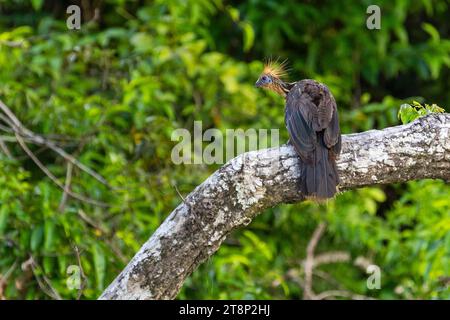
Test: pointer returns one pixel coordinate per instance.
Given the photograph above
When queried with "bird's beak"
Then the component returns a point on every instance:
(258, 84)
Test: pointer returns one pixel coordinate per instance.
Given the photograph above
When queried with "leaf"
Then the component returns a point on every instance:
(431, 30)
(62, 264)
(37, 4)
(434, 108)
(377, 194)
(4, 213)
(407, 113)
(249, 35)
(234, 13)
(410, 112)
(142, 42)
(370, 205)
(260, 245)
(36, 238)
(47, 263)
(428, 4)
(99, 265)
(49, 228)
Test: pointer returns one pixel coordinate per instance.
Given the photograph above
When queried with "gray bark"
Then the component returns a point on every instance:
(246, 185)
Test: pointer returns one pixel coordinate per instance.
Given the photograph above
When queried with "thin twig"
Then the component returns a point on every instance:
(20, 129)
(362, 262)
(5, 149)
(91, 222)
(116, 250)
(49, 290)
(110, 242)
(24, 157)
(53, 178)
(176, 189)
(308, 292)
(330, 257)
(12, 44)
(5, 128)
(326, 277)
(4, 278)
(62, 203)
(83, 276)
(341, 293)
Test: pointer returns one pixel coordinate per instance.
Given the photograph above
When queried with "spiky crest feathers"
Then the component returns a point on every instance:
(276, 69)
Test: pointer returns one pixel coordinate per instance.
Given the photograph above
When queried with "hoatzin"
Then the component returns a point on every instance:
(312, 121)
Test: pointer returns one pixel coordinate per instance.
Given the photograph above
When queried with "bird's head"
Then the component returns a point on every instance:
(272, 76)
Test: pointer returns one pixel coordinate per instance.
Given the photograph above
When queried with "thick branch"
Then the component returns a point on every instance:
(251, 182)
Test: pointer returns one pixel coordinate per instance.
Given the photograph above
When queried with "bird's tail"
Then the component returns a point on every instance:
(319, 177)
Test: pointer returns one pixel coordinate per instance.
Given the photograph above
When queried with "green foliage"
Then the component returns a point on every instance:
(410, 112)
(112, 93)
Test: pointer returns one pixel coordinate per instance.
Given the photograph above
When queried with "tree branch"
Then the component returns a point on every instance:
(246, 185)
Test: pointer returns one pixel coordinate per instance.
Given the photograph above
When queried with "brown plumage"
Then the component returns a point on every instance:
(312, 121)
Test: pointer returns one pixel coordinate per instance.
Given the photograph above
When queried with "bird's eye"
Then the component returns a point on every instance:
(265, 78)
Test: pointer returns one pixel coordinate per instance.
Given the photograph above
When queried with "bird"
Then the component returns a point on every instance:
(312, 121)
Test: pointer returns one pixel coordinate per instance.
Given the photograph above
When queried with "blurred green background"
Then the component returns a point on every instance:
(112, 93)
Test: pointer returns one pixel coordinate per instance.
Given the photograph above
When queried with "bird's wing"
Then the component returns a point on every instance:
(332, 133)
(329, 120)
(326, 107)
(300, 118)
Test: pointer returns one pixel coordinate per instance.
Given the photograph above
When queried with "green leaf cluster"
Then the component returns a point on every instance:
(410, 112)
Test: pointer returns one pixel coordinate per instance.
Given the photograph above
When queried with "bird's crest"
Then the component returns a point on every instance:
(275, 68)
